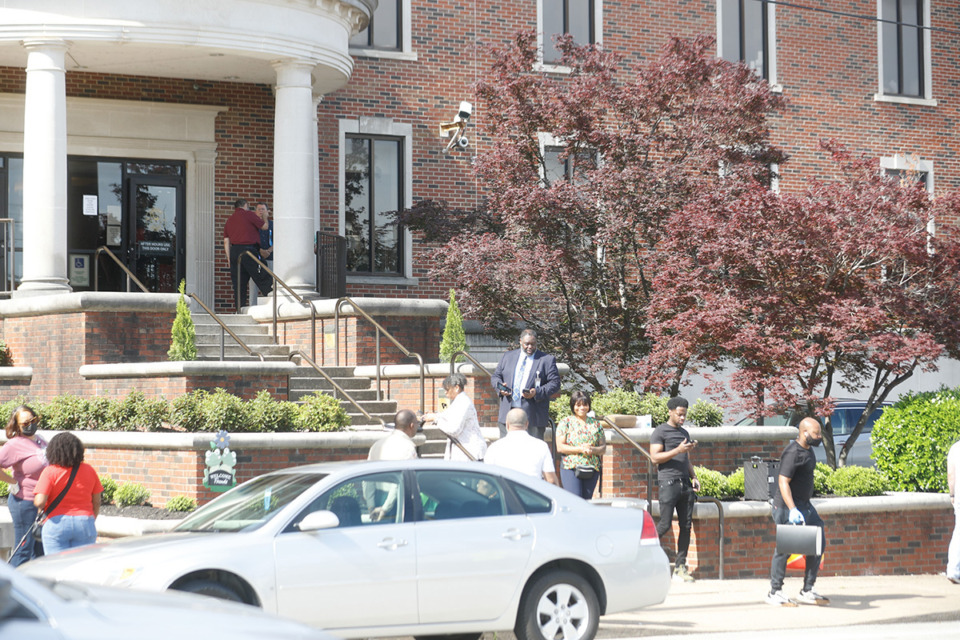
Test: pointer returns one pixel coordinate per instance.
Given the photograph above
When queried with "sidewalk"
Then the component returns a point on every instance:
(711, 606)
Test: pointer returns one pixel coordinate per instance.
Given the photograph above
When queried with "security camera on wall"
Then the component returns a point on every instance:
(456, 127)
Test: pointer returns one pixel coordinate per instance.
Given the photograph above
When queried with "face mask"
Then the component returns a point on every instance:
(29, 429)
(814, 442)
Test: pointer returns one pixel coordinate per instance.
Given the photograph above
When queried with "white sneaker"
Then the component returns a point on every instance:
(777, 599)
(812, 597)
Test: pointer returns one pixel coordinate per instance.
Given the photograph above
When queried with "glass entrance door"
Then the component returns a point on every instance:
(154, 248)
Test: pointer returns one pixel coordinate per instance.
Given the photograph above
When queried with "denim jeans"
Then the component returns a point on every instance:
(953, 553)
(677, 495)
(778, 566)
(23, 513)
(66, 532)
(576, 486)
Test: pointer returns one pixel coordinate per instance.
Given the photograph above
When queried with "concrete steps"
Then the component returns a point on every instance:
(253, 334)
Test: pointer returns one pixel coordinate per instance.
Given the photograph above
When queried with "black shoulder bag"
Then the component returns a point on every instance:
(37, 527)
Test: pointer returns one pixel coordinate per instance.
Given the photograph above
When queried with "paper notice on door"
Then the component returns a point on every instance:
(90, 205)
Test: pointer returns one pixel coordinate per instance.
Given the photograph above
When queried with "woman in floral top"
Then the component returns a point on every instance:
(580, 441)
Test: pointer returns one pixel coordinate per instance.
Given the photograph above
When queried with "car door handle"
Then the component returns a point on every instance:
(392, 543)
(515, 534)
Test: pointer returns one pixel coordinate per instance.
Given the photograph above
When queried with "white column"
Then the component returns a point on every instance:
(45, 170)
(294, 162)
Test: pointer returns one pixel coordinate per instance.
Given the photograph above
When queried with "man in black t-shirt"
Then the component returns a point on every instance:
(795, 481)
(670, 447)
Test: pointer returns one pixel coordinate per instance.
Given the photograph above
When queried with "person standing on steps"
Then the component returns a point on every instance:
(792, 504)
(241, 233)
(526, 378)
(670, 447)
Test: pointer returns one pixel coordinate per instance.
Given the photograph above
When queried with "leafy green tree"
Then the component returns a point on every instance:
(454, 339)
(183, 344)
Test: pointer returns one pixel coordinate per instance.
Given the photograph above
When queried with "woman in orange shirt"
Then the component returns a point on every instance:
(72, 523)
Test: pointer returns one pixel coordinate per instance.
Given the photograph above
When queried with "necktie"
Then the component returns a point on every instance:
(519, 379)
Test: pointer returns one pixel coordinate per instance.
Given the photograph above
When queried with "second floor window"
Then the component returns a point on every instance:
(744, 34)
(575, 17)
(902, 44)
(384, 30)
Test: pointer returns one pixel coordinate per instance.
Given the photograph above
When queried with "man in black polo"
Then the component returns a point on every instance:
(670, 447)
(792, 504)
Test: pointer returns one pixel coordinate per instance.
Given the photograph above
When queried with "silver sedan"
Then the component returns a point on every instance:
(399, 548)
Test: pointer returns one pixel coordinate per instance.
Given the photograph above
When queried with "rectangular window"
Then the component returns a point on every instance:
(576, 17)
(559, 165)
(373, 187)
(744, 27)
(902, 43)
(385, 29)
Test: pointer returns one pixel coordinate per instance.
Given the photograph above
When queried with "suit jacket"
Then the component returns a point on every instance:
(538, 409)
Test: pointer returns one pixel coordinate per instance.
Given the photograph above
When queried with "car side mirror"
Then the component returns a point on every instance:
(319, 520)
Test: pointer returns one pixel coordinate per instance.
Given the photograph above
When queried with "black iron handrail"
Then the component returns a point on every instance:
(126, 270)
(406, 352)
(296, 296)
(474, 361)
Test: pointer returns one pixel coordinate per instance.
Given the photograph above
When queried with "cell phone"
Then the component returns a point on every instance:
(503, 387)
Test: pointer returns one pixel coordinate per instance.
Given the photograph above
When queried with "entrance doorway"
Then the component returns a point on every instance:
(134, 208)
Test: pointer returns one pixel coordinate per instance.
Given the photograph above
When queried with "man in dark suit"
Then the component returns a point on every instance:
(526, 378)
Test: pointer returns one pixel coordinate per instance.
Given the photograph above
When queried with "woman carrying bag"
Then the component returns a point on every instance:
(581, 444)
(71, 523)
(24, 456)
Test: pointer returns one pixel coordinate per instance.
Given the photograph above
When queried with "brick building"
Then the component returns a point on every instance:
(150, 118)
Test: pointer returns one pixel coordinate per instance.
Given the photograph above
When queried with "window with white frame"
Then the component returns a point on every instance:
(746, 32)
(911, 168)
(388, 33)
(375, 179)
(904, 48)
(582, 19)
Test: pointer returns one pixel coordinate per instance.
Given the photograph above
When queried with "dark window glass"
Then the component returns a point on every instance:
(373, 188)
(383, 32)
(566, 16)
(557, 166)
(532, 501)
(902, 54)
(155, 168)
(448, 495)
(744, 26)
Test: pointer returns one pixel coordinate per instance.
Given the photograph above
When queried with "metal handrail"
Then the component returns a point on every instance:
(224, 328)
(126, 270)
(339, 389)
(474, 361)
(406, 352)
(296, 296)
(649, 458)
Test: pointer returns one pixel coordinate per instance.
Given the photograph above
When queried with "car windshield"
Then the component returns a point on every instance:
(251, 505)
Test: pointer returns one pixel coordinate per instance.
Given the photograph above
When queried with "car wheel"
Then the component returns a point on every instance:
(559, 605)
(212, 589)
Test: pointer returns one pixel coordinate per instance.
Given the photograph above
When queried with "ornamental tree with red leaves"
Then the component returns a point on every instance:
(840, 285)
(584, 174)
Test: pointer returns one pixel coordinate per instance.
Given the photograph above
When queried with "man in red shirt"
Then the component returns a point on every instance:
(242, 233)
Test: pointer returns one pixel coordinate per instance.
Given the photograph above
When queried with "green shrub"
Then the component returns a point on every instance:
(712, 483)
(454, 339)
(267, 414)
(617, 401)
(129, 494)
(705, 414)
(109, 489)
(186, 411)
(183, 335)
(856, 481)
(125, 415)
(821, 479)
(224, 411)
(4, 490)
(67, 413)
(181, 503)
(655, 406)
(911, 440)
(320, 412)
(6, 409)
(560, 407)
(735, 484)
(6, 359)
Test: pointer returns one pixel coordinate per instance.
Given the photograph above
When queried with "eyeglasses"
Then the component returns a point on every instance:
(33, 420)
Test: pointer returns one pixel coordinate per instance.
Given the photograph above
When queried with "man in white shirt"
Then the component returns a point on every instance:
(399, 444)
(522, 452)
(953, 553)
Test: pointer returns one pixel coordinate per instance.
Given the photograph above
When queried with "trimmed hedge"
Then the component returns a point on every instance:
(633, 403)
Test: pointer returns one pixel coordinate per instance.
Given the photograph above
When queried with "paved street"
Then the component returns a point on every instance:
(714, 606)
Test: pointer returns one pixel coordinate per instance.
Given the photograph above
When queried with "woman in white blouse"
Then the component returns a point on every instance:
(459, 420)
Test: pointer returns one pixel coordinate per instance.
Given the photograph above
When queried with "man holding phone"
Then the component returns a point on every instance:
(670, 447)
(526, 378)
